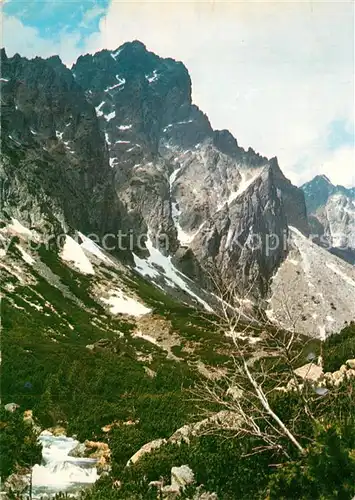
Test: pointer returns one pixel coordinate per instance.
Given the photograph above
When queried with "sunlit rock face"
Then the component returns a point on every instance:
(116, 144)
(331, 211)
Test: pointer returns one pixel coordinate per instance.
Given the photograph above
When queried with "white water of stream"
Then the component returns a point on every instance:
(60, 472)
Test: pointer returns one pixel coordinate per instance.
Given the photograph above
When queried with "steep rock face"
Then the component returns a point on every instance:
(115, 143)
(246, 239)
(317, 192)
(293, 200)
(55, 172)
(313, 291)
(332, 216)
(175, 174)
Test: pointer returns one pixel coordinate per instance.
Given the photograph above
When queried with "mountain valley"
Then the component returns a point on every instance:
(144, 255)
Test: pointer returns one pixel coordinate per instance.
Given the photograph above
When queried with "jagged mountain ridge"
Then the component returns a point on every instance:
(171, 172)
(331, 212)
(116, 144)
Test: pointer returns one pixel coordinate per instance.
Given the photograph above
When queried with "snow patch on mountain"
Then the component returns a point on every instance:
(89, 245)
(153, 77)
(157, 261)
(110, 116)
(120, 303)
(246, 181)
(26, 256)
(114, 55)
(98, 109)
(121, 82)
(124, 127)
(145, 268)
(173, 177)
(18, 228)
(72, 252)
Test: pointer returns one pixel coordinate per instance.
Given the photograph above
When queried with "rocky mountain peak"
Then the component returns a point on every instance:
(120, 131)
(331, 212)
(317, 192)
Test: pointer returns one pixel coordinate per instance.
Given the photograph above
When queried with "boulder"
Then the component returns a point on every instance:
(12, 407)
(29, 420)
(100, 344)
(28, 417)
(79, 451)
(58, 430)
(117, 423)
(310, 372)
(206, 496)
(182, 434)
(292, 386)
(100, 451)
(156, 484)
(337, 375)
(224, 419)
(147, 448)
(351, 363)
(103, 343)
(182, 477)
(170, 492)
(17, 483)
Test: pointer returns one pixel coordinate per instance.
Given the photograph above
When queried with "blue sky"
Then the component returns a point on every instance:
(341, 133)
(52, 18)
(278, 74)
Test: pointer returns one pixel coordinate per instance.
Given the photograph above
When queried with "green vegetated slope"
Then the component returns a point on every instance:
(46, 367)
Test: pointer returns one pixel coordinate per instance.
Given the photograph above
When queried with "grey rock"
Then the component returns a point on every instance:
(79, 451)
(116, 145)
(331, 212)
(181, 477)
(17, 483)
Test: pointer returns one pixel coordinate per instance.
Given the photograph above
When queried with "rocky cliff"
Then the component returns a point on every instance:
(332, 216)
(116, 144)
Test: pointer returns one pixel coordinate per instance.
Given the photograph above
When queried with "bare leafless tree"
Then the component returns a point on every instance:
(246, 392)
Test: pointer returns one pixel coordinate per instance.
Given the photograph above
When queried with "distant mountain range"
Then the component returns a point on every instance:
(331, 214)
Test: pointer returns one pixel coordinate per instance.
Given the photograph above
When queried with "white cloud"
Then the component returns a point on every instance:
(339, 167)
(92, 14)
(277, 74)
(26, 40)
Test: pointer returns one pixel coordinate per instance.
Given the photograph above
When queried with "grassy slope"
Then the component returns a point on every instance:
(85, 390)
